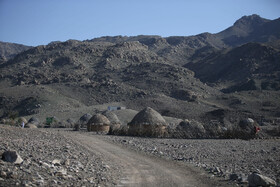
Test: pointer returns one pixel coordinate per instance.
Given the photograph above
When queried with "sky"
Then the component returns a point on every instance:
(38, 22)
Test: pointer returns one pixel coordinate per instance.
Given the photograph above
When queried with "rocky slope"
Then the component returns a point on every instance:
(252, 66)
(141, 71)
(250, 29)
(9, 50)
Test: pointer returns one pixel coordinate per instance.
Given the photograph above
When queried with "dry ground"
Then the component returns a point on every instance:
(88, 160)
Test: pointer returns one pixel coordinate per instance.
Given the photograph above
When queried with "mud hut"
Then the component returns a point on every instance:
(190, 129)
(30, 126)
(98, 123)
(22, 119)
(82, 122)
(85, 118)
(148, 123)
(115, 123)
(34, 120)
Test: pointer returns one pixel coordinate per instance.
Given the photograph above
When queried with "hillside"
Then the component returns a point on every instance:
(252, 66)
(250, 29)
(9, 50)
(179, 76)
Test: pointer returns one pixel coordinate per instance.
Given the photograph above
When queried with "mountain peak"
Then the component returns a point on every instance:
(253, 19)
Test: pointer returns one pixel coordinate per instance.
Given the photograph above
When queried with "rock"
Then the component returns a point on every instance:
(217, 170)
(233, 176)
(106, 166)
(67, 162)
(40, 182)
(45, 165)
(12, 156)
(12, 175)
(61, 172)
(256, 179)
(56, 162)
(3, 174)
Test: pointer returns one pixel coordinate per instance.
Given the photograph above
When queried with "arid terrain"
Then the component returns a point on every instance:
(219, 84)
(62, 157)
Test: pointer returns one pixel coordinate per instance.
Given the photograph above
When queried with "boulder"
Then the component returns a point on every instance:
(12, 156)
(256, 179)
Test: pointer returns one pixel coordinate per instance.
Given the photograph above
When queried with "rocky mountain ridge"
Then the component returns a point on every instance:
(9, 50)
(179, 76)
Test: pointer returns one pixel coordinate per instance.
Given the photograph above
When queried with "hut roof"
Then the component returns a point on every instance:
(34, 120)
(148, 116)
(22, 119)
(86, 117)
(191, 126)
(99, 119)
(112, 117)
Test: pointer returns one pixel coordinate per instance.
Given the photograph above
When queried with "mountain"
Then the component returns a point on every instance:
(101, 72)
(251, 29)
(9, 50)
(250, 66)
(179, 76)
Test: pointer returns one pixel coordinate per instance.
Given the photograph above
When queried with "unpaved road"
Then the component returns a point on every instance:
(138, 169)
(85, 159)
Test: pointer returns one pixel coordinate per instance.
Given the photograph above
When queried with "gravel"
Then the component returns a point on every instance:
(50, 159)
(232, 159)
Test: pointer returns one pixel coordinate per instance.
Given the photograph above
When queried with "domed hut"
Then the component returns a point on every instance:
(22, 119)
(98, 123)
(34, 120)
(115, 123)
(248, 128)
(30, 126)
(84, 119)
(190, 129)
(149, 123)
(82, 122)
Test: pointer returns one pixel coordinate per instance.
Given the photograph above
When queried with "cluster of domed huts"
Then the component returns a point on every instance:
(147, 122)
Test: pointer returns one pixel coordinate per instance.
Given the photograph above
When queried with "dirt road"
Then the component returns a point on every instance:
(138, 169)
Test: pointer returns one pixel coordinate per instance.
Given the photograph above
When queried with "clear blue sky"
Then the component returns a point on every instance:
(37, 22)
